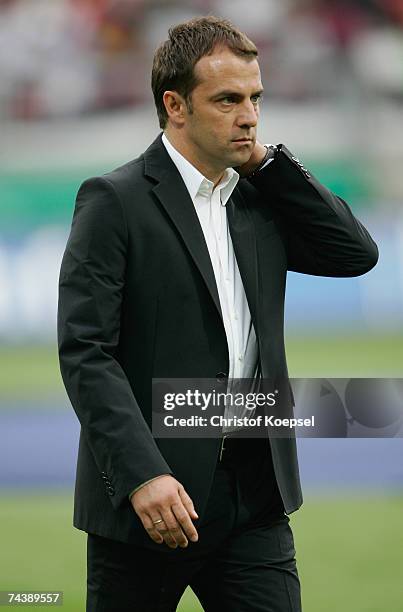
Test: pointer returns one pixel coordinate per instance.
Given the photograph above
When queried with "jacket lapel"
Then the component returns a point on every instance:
(174, 197)
(244, 242)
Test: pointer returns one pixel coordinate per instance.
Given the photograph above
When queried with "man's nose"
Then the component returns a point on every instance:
(248, 115)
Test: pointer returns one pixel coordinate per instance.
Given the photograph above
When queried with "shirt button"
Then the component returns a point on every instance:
(221, 377)
(240, 357)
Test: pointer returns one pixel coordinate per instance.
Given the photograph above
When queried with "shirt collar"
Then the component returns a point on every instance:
(195, 182)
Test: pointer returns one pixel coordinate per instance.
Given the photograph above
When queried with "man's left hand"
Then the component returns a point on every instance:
(253, 162)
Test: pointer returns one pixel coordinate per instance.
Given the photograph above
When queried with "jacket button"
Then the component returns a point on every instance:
(221, 376)
(111, 491)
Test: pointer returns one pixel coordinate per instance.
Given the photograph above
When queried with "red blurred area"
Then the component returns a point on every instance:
(72, 57)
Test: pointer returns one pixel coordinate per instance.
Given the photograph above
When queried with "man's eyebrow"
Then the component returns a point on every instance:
(235, 94)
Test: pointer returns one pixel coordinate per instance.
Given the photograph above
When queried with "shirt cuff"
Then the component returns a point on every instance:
(146, 482)
(269, 160)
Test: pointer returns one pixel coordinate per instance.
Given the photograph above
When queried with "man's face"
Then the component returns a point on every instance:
(221, 130)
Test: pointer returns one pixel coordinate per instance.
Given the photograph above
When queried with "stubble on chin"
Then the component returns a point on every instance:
(241, 158)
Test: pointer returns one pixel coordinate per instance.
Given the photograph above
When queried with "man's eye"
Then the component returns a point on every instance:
(256, 99)
(228, 100)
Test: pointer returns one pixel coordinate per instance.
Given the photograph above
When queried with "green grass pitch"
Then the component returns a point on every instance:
(33, 372)
(349, 550)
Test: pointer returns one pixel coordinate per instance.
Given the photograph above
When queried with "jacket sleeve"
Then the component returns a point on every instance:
(91, 288)
(321, 235)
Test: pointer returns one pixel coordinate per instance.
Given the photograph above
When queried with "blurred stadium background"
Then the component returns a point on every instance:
(75, 100)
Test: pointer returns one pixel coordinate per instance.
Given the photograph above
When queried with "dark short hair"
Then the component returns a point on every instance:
(175, 59)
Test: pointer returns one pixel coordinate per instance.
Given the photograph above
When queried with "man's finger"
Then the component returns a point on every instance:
(150, 528)
(159, 532)
(174, 527)
(187, 502)
(162, 528)
(183, 518)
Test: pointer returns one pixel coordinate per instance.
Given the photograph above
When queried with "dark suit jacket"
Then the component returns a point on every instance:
(138, 300)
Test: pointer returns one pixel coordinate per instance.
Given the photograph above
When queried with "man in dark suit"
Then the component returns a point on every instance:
(176, 268)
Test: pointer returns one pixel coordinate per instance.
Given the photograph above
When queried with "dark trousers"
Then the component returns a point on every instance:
(244, 560)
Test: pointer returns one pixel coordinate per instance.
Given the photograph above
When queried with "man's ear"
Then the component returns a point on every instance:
(175, 106)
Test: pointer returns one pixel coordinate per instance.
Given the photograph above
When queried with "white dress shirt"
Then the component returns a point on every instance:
(210, 205)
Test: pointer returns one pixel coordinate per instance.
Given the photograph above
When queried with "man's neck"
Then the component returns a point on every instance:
(214, 175)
